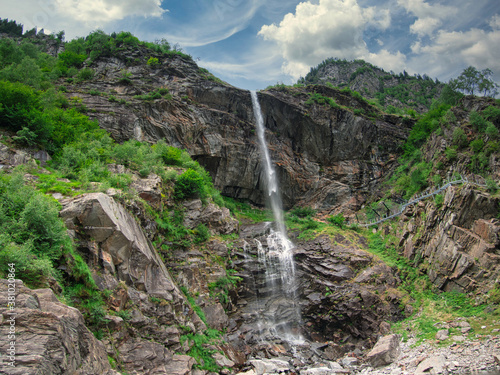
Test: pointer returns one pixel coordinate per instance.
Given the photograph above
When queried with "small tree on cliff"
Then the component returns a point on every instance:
(472, 80)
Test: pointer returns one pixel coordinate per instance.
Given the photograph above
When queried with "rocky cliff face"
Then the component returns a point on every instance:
(325, 156)
(456, 244)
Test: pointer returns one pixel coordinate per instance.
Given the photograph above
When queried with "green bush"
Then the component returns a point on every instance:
(477, 145)
(86, 74)
(303, 212)
(491, 130)
(438, 199)
(201, 233)
(459, 138)
(337, 220)
(450, 153)
(477, 121)
(189, 184)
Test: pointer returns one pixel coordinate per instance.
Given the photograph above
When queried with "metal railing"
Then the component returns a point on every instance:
(418, 197)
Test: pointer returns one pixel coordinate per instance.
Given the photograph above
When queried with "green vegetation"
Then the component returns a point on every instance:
(221, 287)
(472, 80)
(199, 350)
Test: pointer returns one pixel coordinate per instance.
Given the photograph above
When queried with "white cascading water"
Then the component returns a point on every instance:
(282, 312)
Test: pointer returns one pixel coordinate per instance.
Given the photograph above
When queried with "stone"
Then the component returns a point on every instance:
(222, 361)
(386, 350)
(458, 338)
(141, 356)
(442, 334)
(179, 365)
(334, 351)
(217, 219)
(51, 337)
(122, 241)
(216, 316)
(435, 364)
(349, 361)
(263, 366)
(318, 371)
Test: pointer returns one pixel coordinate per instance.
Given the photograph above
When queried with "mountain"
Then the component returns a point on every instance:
(131, 203)
(391, 91)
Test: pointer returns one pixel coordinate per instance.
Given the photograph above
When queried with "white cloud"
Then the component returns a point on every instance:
(104, 11)
(330, 28)
(77, 18)
(429, 17)
(495, 22)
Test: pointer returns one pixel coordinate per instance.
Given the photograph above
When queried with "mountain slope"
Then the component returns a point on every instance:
(392, 91)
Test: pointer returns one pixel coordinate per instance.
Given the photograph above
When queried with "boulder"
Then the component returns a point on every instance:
(442, 334)
(122, 243)
(144, 357)
(434, 365)
(217, 219)
(386, 350)
(216, 316)
(51, 338)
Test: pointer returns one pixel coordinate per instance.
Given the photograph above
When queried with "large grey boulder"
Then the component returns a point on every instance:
(51, 338)
(386, 350)
(124, 249)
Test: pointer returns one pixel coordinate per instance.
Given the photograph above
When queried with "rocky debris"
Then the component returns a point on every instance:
(471, 356)
(386, 350)
(145, 357)
(179, 365)
(51, 338)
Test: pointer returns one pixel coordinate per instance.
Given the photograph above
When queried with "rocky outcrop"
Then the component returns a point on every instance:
(385, 351)
(125, 263)
(457, 245)
(51, 338)
(325, 156)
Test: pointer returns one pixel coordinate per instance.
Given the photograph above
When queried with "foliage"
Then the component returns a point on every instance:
(190, 184)
(337, 220)
(459, 138)
(10, 27)
(303, 212)
(472, 80)
(153, 61)
(201, 234)
(199, 350)
(439, 200)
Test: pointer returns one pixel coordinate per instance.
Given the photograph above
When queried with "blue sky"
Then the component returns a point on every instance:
(255, 43)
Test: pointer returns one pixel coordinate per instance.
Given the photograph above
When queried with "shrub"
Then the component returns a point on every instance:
(189, 184)
(153, 61)
(477, 145)
(491, 185)
(438, 199)
(450, 153)
(459, 138)
(477, 121)
(303, 212)
(201, 233)
(337, 220)
(491, 130)
(86, 74)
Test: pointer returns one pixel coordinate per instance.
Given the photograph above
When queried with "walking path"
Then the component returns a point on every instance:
(417, 198)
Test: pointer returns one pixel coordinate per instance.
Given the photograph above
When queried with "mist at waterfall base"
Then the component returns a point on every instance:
(279, 311)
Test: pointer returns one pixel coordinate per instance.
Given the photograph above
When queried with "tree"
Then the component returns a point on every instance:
(472, 80)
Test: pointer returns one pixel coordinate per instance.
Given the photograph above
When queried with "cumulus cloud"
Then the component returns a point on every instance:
(429, 17)
(330, 28)
(495, 22)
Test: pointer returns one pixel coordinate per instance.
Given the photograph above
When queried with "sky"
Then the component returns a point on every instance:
(252, 44)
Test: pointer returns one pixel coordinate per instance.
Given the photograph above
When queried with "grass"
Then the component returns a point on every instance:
(200, 351)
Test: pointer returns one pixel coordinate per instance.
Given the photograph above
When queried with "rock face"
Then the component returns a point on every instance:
(125, 263)
(457, 245)
(325, 156)
(344, 294)
(51, 338)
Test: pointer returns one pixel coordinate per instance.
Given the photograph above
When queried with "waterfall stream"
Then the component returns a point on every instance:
(280, 315)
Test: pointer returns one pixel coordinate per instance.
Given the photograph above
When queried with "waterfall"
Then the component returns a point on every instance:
(281, 312)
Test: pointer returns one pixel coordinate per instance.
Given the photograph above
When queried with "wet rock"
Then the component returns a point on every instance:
(255, 230)
(263, 366)
(386, 350)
